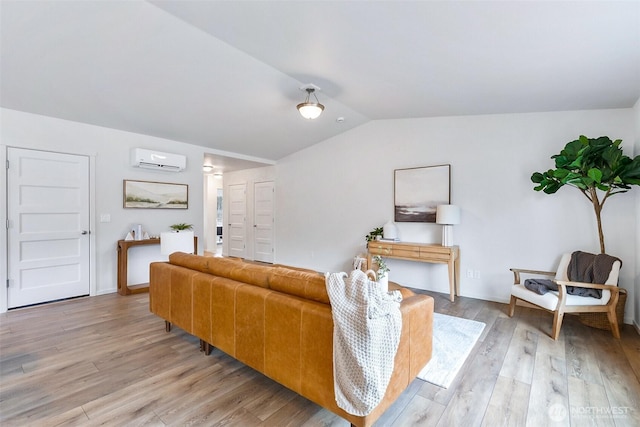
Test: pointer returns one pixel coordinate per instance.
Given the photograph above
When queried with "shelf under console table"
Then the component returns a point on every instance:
(123, 261)
(421, 252)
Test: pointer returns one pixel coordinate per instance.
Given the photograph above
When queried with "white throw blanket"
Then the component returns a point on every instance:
(366, 331)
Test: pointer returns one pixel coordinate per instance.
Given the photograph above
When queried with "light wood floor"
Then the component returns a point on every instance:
(107, 361)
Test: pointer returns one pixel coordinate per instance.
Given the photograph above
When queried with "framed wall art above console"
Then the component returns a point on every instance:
(418, 191)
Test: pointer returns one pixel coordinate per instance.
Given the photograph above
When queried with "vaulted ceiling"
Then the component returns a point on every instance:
(226, 74)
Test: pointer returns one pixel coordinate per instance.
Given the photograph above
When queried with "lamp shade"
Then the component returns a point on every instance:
(171, 242)
(448, 214)
(310, 110)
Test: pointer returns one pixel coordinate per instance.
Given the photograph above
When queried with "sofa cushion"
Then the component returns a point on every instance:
(213, 265)
(253, 274)
(299, 283)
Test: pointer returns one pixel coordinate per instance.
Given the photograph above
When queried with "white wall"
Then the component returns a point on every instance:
(333, 193)
(329, 196)
(636, 296)
(110, 148)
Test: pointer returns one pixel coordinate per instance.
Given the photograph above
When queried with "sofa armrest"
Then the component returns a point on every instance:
(417, 313)
(414, 351)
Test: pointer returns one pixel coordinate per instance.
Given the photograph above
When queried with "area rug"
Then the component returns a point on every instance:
(453, 340)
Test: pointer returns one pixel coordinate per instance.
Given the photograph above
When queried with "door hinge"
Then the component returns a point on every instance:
(7, 283)
(8, 224)
(7, 164)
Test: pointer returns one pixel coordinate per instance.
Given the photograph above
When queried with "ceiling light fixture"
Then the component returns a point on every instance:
(310, 110)
(207, 168)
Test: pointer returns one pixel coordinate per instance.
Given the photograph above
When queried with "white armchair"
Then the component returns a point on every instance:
(559, 302)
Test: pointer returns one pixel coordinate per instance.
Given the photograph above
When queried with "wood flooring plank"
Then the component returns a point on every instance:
(398, 406)
(508, 406)
(549, 392)
(297, 412)
(488, 315)
(74, 417)
(472, 395)
(519, 360)
(107, 360)
(581, 362)
(631, 347)
(588, 404)
(419, 411)
(276, 397)
(620, 383)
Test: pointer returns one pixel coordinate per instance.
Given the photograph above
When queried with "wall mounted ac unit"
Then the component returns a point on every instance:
(151, 159)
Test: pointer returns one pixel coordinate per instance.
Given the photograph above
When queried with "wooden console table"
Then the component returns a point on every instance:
(123, 254)
(421, 252)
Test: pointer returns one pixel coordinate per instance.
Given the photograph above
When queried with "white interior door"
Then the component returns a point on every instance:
(48, 226)
(237, 231)
(263, 221)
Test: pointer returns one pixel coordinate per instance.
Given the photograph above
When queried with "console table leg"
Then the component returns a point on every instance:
(167, 326)
(452, 289)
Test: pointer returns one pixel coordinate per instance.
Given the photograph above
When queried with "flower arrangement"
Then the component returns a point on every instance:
(382, 266)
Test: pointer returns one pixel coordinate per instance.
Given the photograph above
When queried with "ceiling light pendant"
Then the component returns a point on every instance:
(310, 110)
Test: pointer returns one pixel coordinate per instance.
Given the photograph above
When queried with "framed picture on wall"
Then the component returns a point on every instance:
(418, 191)
(155, 195)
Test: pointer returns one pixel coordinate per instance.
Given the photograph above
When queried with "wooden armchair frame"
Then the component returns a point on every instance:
(562, 308)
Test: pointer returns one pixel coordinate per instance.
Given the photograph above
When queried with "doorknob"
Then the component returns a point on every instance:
(84, 232)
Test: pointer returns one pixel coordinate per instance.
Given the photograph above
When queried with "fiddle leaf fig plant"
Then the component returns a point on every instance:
(596, 167)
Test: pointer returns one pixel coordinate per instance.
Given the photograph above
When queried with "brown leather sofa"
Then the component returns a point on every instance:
(278, 320)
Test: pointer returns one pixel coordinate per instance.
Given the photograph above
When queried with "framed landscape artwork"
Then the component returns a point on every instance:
(418, 191)
(155, 195)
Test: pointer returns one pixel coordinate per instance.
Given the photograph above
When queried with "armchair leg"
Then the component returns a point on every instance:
(512, 306)
(613, 320)
(557, 324)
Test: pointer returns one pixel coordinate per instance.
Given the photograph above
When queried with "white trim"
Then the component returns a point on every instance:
(4, 304)
(93, 284)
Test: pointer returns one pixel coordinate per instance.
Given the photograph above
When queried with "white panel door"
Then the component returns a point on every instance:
(48, 230)
(237, 231)
(263, 221)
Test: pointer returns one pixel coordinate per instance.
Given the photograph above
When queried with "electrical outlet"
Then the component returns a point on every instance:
(476, 274)
(469, 274)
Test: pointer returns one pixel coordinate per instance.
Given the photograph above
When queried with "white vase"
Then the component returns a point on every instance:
(384, 283)
(390, 231)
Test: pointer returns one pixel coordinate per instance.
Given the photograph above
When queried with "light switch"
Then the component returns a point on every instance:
(105, 218)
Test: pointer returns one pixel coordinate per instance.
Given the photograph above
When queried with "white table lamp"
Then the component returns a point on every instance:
(447, 215)
(171, 242)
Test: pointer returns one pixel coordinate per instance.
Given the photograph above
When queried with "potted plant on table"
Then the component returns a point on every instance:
(181, 227)
(381, 271)
(181, 239)
(375, 234)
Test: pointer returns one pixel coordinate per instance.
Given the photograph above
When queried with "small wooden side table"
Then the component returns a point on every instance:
(123, 254)
(421, 252)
